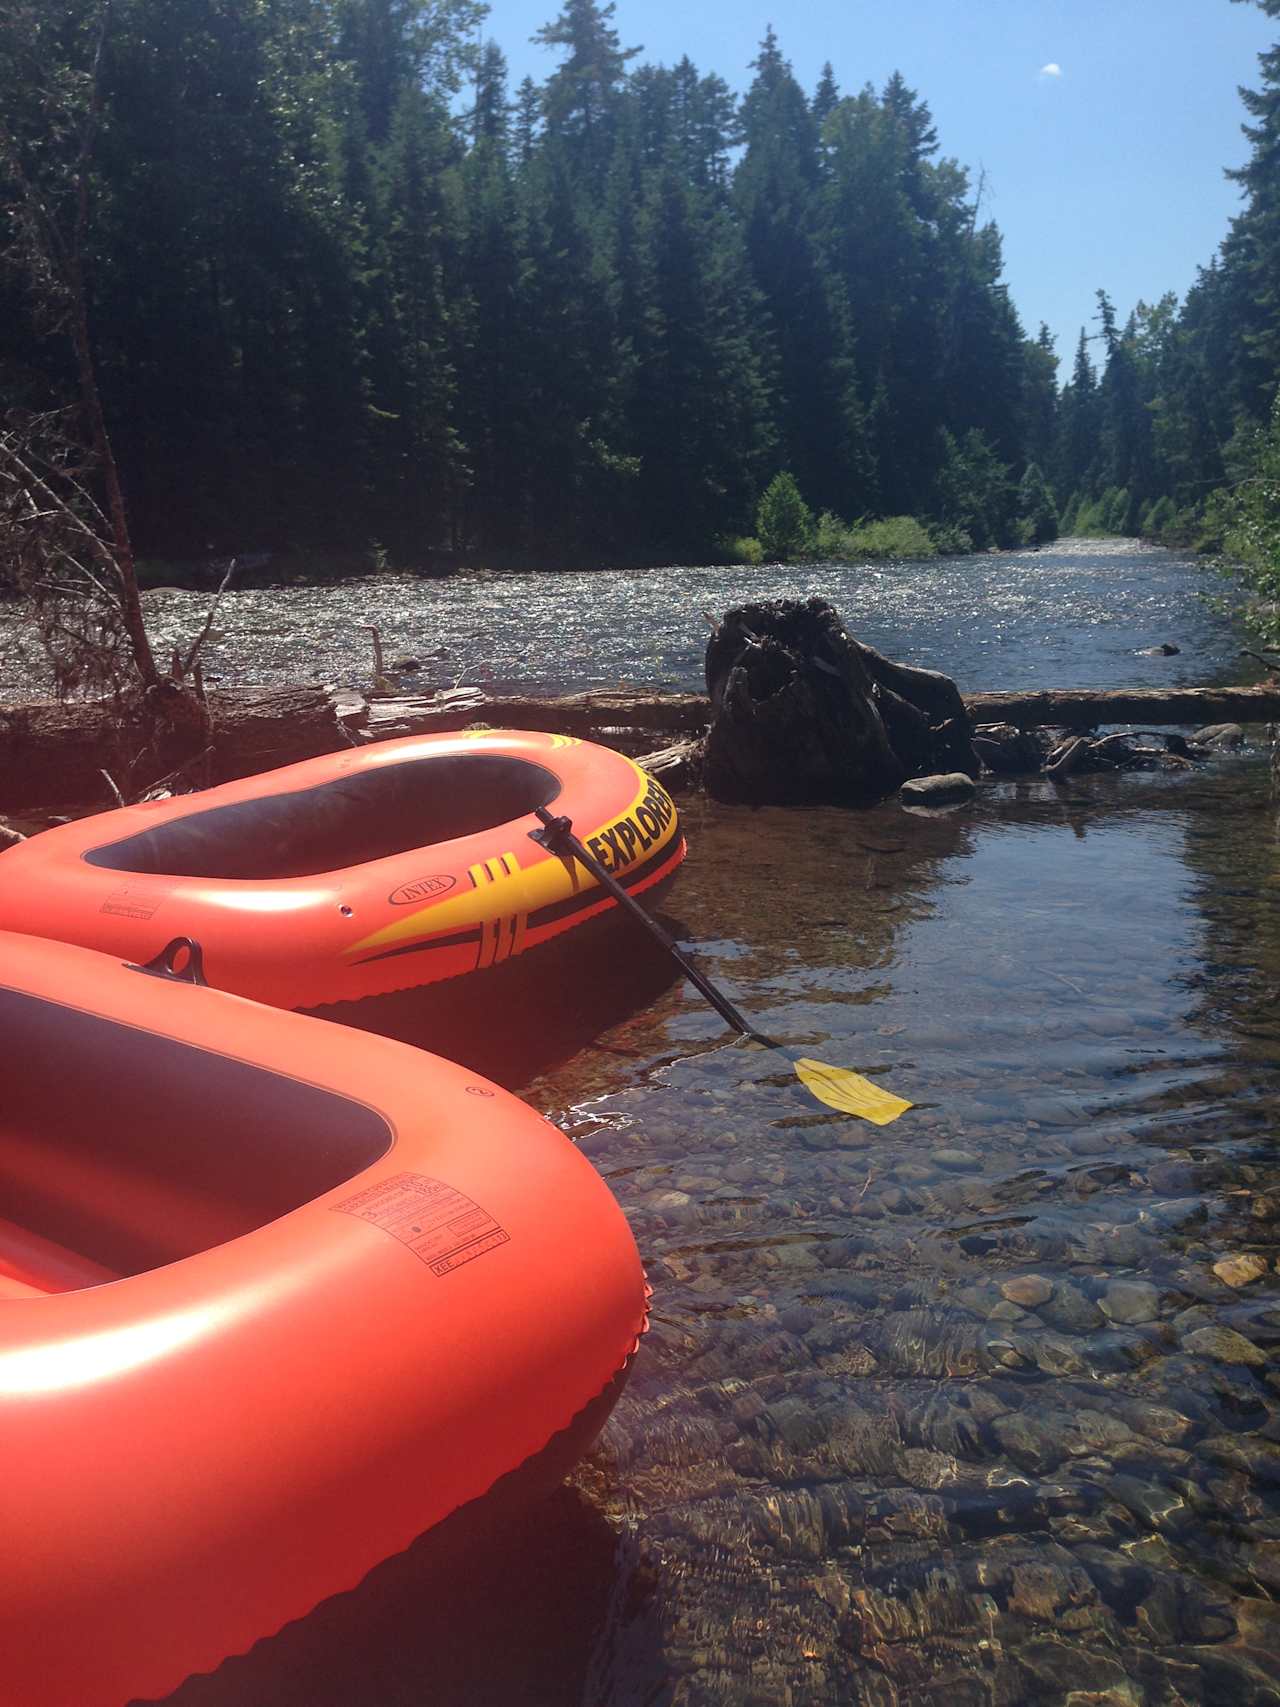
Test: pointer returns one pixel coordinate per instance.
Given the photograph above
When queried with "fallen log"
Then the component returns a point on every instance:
(52, 754)
(1086, 708)
(585, 714)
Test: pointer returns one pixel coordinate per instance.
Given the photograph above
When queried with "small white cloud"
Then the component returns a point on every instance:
(1051, 70)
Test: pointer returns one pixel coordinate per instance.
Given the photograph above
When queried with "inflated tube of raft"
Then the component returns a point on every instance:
(355, 874)
(276, 1297)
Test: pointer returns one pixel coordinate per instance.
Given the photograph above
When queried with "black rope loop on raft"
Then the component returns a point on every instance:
(166, 963)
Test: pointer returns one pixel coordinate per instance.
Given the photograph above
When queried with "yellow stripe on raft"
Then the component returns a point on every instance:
(504, 889)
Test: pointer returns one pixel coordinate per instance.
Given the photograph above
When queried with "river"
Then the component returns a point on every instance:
(1070, 615)
(981, 1407)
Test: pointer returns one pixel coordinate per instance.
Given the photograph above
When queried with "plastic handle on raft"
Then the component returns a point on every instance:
(165, 963)
(557, 835)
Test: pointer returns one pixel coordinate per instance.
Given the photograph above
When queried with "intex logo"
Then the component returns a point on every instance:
(421, 889)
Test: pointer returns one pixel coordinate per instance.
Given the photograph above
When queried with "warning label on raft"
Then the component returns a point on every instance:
(133, 903)
(441, 1226)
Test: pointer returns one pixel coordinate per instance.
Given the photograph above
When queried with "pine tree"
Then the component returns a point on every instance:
(580, 99)
(776, 194)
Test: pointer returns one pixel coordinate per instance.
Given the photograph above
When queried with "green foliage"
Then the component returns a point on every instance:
(950, 540)
(744, 548)
(892, 536)
(1249, 514)
(1158, 518)
(1037, 512)
(784, 522)
(973, 491)
(831, 538)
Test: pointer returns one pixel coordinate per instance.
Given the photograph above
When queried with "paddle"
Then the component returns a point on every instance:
(836, 1086)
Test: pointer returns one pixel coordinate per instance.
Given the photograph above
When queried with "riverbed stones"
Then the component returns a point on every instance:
(1027, 1290)
(955, 1161)
(1131, 1301)
(947, 789)
(1240, 1270)
(1220, 735)
(1224, 1345)
(1071, 1311)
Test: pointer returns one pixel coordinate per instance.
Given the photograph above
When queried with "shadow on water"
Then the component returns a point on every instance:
(514, 1615)
(531, 1014)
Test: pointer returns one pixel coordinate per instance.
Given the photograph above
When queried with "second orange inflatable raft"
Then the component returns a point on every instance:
(355, 874)
(275, 1297)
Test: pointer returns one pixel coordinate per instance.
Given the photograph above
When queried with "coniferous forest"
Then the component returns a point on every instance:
(344, 288)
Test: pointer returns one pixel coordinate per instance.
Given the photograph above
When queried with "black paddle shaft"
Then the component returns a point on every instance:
(557, 835)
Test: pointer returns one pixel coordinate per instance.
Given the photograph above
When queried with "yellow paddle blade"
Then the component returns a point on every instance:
(849, 1092)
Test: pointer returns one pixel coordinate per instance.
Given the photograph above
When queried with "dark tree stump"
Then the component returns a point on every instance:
(801, 712)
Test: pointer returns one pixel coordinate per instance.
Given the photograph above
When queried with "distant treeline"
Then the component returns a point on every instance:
(345, 289)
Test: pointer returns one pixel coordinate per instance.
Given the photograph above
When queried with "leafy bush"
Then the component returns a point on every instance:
(1114, 509)
(893, 536)
(1091, 520)
(1158, 517)
(784, 522)
(832, 538)
(950, 540)
(744, 548)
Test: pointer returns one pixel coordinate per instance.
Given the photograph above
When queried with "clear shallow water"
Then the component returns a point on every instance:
(1069, 615)
(954, 1409)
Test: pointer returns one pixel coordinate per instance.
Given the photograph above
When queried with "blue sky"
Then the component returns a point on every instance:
(1106, 172)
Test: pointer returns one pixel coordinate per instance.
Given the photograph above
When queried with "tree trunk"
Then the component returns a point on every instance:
(1086, 708)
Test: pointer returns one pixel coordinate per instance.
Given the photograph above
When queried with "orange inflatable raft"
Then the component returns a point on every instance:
(354, 874)
(275, 1297)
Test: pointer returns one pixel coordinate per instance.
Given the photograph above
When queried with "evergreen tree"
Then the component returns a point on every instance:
(775, 191)
(580, 100)
(699, 406)
(784, 522)
(1252, 248)
(1078, 426)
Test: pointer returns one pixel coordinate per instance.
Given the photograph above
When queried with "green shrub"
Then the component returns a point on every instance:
(832, 538)
(892, 536)
(744, 548)
(784, 523)
(1159, 517)
(950, 540)
(1114, 509)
